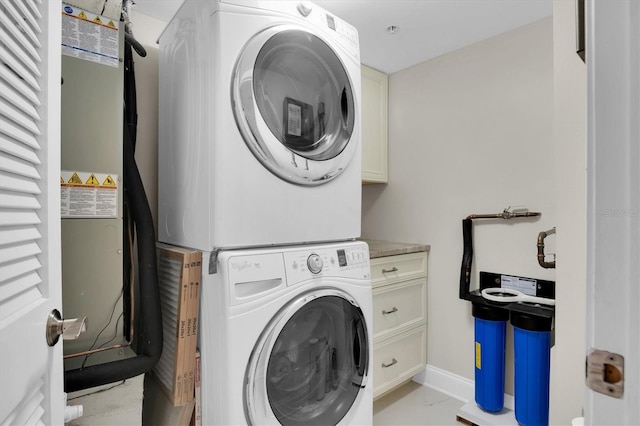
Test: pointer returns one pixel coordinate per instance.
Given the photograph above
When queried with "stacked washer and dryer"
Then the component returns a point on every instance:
(259, 168)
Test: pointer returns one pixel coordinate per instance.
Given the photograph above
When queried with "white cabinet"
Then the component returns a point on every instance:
(375, 118)
(399, 319)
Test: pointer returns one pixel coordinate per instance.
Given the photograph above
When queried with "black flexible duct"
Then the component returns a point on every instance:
(150, 328)
(467, 258)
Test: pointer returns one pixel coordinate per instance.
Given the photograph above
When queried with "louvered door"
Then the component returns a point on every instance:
(31, 375)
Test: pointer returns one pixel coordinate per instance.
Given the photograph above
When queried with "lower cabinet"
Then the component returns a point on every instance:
(399, 319)
(398, 358)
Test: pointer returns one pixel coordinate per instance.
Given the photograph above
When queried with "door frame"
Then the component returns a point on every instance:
(613, 200)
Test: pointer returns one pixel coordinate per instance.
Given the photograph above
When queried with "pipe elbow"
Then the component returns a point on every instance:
(541, 256)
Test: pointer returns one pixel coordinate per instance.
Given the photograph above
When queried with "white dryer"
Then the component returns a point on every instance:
(285, 337)
(259, 134)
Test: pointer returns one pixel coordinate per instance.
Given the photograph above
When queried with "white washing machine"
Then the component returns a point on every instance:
(259, 133)
(285, 337)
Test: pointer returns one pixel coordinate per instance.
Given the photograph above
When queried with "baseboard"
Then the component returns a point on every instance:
(455, 386)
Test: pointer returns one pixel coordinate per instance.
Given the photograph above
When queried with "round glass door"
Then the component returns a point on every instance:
(294, 104)
(311, 364)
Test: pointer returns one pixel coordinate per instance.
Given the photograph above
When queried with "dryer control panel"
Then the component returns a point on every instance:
(309, 12)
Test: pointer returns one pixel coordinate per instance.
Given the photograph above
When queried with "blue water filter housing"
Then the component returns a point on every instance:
(532, 346)
(490, 335)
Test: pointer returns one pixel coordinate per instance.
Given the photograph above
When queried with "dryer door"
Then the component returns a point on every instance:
(310, 365)
(293, 102)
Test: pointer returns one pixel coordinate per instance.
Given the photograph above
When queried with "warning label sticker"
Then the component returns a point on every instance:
(86, 194)
(88, 36)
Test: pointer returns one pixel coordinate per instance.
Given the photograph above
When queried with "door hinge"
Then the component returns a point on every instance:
(605, 373)
(213, 261)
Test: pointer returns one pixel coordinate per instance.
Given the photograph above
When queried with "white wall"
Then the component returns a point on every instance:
(147, 30)
(469, 132)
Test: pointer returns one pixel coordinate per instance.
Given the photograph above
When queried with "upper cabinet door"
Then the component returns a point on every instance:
(375, 118)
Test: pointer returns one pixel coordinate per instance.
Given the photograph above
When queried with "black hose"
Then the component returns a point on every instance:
(130, 98)
(467, 258)
(140, 50)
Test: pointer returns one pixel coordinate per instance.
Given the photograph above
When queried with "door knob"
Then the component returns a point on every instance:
(70, 329)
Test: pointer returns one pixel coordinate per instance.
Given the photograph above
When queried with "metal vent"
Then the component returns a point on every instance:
(169, 273)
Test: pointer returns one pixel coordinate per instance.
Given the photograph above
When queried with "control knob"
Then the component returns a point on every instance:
(314, 263)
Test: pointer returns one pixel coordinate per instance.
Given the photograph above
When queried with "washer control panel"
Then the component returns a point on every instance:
(349, 260)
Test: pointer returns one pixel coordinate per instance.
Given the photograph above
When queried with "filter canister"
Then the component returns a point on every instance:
(490, 330)
(532, 345)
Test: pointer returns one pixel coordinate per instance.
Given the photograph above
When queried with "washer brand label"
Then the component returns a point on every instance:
(241, 265)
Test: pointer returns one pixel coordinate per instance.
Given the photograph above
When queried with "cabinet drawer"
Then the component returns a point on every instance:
(399, 305)
(398, 359)
(390, 269)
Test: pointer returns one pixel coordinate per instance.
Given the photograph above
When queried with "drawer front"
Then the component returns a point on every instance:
(399, 305)
(385, 270)
(398, 359)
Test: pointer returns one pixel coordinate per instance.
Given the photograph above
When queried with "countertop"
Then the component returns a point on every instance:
(378, 248)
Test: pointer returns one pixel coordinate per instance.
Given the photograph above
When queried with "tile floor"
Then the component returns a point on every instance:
(114, 404)
(415, 404)
(412, 404)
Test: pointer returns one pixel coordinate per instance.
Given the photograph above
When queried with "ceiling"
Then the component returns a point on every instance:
(427, 28)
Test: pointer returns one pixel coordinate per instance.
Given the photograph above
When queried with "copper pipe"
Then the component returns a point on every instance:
(132, 286)
(541, 237)
(467, 256)
(506, 214)
(93, 351)
(129, 341)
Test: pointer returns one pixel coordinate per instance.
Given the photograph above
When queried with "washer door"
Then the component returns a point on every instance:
(293, 102)
(310, 364)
